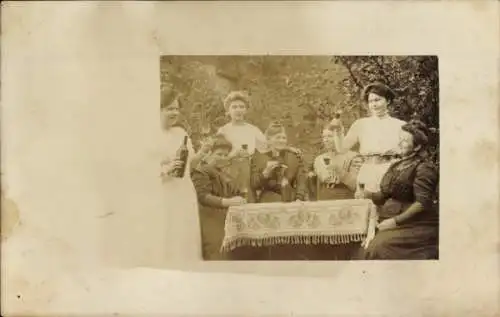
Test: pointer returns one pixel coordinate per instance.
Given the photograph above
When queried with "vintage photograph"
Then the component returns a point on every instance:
(302, 157)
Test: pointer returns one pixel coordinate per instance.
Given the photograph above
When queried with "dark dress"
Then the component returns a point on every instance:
(406, 182)
(269, 189)
(211, 186)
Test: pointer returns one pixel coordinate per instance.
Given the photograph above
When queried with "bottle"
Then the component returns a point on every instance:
(245, 173)
(286, 187)
(182, 155)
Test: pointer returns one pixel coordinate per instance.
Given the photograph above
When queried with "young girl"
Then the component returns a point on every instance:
(244, 137)
(331, 179)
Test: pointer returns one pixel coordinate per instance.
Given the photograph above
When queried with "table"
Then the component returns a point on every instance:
(312, 230)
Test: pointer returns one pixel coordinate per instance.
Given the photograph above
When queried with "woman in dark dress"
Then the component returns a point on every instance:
(216, 192)
(408, 224)
(278, 174)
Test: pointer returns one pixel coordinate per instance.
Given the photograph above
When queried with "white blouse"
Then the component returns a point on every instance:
(239, 134)
(375, 135)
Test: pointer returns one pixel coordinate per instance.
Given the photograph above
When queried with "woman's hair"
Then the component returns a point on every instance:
(220, 142)
(274, 128)
(379, 89)
(419, 132)
(168, 98)
(236, 95)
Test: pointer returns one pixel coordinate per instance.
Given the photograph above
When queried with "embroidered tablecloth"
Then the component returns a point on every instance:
(311, 222)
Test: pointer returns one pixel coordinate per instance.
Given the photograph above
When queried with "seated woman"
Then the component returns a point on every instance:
(279, 173)
(328, 168)
(408, 219)
(216, 193)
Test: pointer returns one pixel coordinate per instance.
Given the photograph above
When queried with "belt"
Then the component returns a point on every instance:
(379, 158)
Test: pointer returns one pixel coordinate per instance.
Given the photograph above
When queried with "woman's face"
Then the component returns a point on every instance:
(377, 104)
(170, 114)
(219, 157)
(237, 110)
(406, 145)
(328, 139)
(278, 141)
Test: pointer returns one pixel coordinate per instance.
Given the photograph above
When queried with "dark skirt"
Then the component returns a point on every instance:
(417, 242)
(212, 222)
(340, 191)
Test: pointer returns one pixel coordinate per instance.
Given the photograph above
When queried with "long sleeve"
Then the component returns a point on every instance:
(202, 185)
(378, 198)
(425, 184)
(257, 179)
(260, 141)
(424, 187)
(344, 144)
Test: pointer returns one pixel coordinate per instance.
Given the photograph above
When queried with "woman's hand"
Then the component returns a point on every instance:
(168, 168)
(360, 194)
(336, 125)
(332, 181)
(387, 224)
(271, 165)
(295, 150)
(368, 239)
(206, 147)
(234, 201)
(355, 163)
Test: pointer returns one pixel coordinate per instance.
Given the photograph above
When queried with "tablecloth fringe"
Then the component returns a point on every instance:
(233, 243)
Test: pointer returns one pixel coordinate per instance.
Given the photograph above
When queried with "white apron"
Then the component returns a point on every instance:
(181, 204)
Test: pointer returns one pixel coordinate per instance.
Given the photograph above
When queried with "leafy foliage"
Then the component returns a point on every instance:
(302, 91)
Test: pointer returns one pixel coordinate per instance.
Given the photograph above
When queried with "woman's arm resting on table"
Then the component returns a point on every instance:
(378, 198)
(203, 186)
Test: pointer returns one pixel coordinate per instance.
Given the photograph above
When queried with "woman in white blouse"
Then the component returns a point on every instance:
(180, 195)
(244, 137)
(377, 136)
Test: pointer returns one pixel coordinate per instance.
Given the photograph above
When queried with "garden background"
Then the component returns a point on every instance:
(303, 92)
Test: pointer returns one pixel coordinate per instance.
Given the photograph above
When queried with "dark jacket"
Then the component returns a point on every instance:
(212, 185)
(295, 173)
(405, 182)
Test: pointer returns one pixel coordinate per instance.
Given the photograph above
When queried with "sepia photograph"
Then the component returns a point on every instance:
(331, 158)
(253, 158)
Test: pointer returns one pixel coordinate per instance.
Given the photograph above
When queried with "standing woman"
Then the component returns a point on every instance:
(278, 173)
(180, 194)
(377, 136)
(408, 224)
(244, 137)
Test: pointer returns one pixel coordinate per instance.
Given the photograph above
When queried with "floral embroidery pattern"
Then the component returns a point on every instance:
(304, 217)
(344, 216)
(334, 222)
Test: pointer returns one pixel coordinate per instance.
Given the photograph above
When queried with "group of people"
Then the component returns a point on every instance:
(241, 164)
